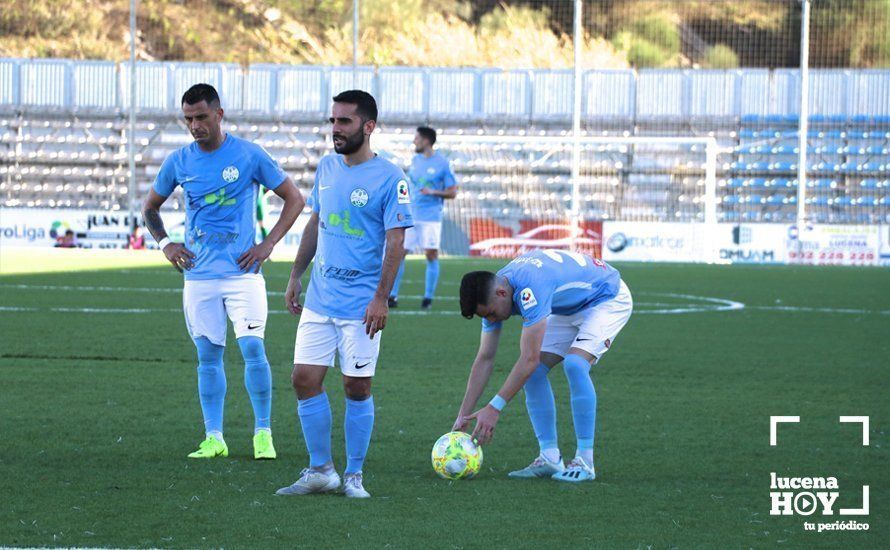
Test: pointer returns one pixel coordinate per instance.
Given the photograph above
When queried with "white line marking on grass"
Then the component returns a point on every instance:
(707, 304)
(803, 309)
(694, 304)
(154, 290)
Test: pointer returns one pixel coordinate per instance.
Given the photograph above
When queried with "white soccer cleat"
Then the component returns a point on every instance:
(576, 472)
(352, 486)
(312, 481)
(540, 467)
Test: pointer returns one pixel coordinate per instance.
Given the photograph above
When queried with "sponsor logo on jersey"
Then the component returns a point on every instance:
(219, 198)
(341, 220)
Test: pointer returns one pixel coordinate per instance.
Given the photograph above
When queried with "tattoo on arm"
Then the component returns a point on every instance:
(153, 222)
(395, 241)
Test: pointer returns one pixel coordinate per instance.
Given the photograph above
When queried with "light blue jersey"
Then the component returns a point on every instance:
(557, 282)
(356, 206)
(220, 191)
(434, 173)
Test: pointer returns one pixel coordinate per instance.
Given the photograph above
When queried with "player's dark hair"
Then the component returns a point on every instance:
(200, 92)
(475, 289)
(428, 133)
(365, 104)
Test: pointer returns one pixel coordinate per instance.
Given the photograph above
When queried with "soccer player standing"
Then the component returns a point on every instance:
(359, 203)
(220, 176)
(573, 307)
(433, 182)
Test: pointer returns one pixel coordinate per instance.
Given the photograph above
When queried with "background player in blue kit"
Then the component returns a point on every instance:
(220, 176)
(573, 307)
(359, 203)
(432, 182)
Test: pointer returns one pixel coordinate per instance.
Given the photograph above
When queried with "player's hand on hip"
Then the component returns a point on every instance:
(256, 254)
(180, 256)
(292, 296)
(426, 191)
(375, 316)
(486, 419)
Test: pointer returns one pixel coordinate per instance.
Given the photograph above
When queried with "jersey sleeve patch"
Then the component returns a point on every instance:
(403, 193)
(527, 299)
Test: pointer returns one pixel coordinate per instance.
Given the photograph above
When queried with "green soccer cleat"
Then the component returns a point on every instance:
(263, 449)
(210, 448)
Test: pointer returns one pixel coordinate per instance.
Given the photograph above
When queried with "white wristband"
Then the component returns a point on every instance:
(164, 242)
(498, 403)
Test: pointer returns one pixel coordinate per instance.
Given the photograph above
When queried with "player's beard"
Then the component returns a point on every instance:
(419, 150)
(351, 143)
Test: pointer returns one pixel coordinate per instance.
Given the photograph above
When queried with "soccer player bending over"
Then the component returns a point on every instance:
(359, 202)
(572, 307)
(433, 182)
(220, 176)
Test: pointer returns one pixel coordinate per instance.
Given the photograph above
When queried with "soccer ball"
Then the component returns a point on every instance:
(456, 456)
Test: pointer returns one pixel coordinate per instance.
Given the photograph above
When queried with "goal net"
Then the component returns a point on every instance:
(518, 192)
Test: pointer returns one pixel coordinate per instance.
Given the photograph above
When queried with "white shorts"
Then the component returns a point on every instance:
(425, 235)
(207, 303)
(320, 337)
(593, 330)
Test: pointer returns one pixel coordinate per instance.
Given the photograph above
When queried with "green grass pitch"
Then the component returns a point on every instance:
(99, 407)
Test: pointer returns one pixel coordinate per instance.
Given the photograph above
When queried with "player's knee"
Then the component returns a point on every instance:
(575, 367)
(432, 255)
(305, 384)
(357, 389)
(252, 349)
(208, 353)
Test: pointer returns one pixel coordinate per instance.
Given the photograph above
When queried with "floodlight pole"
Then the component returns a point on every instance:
(577, 32)
(131, 140)
(803, 124)
(355, 5)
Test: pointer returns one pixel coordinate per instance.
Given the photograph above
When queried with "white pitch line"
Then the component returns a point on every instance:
(805, 309)
(662, 308)
(154, 290)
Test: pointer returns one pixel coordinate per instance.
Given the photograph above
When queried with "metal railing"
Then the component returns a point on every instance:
(413, 94)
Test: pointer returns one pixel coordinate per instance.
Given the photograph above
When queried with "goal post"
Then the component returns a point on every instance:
(518, 192)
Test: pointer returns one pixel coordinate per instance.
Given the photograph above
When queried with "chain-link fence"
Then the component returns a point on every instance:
(726, 69)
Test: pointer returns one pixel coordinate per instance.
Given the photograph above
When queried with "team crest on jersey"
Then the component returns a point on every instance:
(527, 298)
(431, 171)
(230, 174)
(402, 190)
(359, 197)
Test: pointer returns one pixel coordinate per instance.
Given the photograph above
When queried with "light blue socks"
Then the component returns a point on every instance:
(211, 384)
(358, 425)
(432, 278)
(583, 394)
(257, 379)
(542, 410)
(315, 418)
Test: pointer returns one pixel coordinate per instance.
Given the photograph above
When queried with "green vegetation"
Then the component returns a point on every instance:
(509, 34)
(721, 56)
(100, 408)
